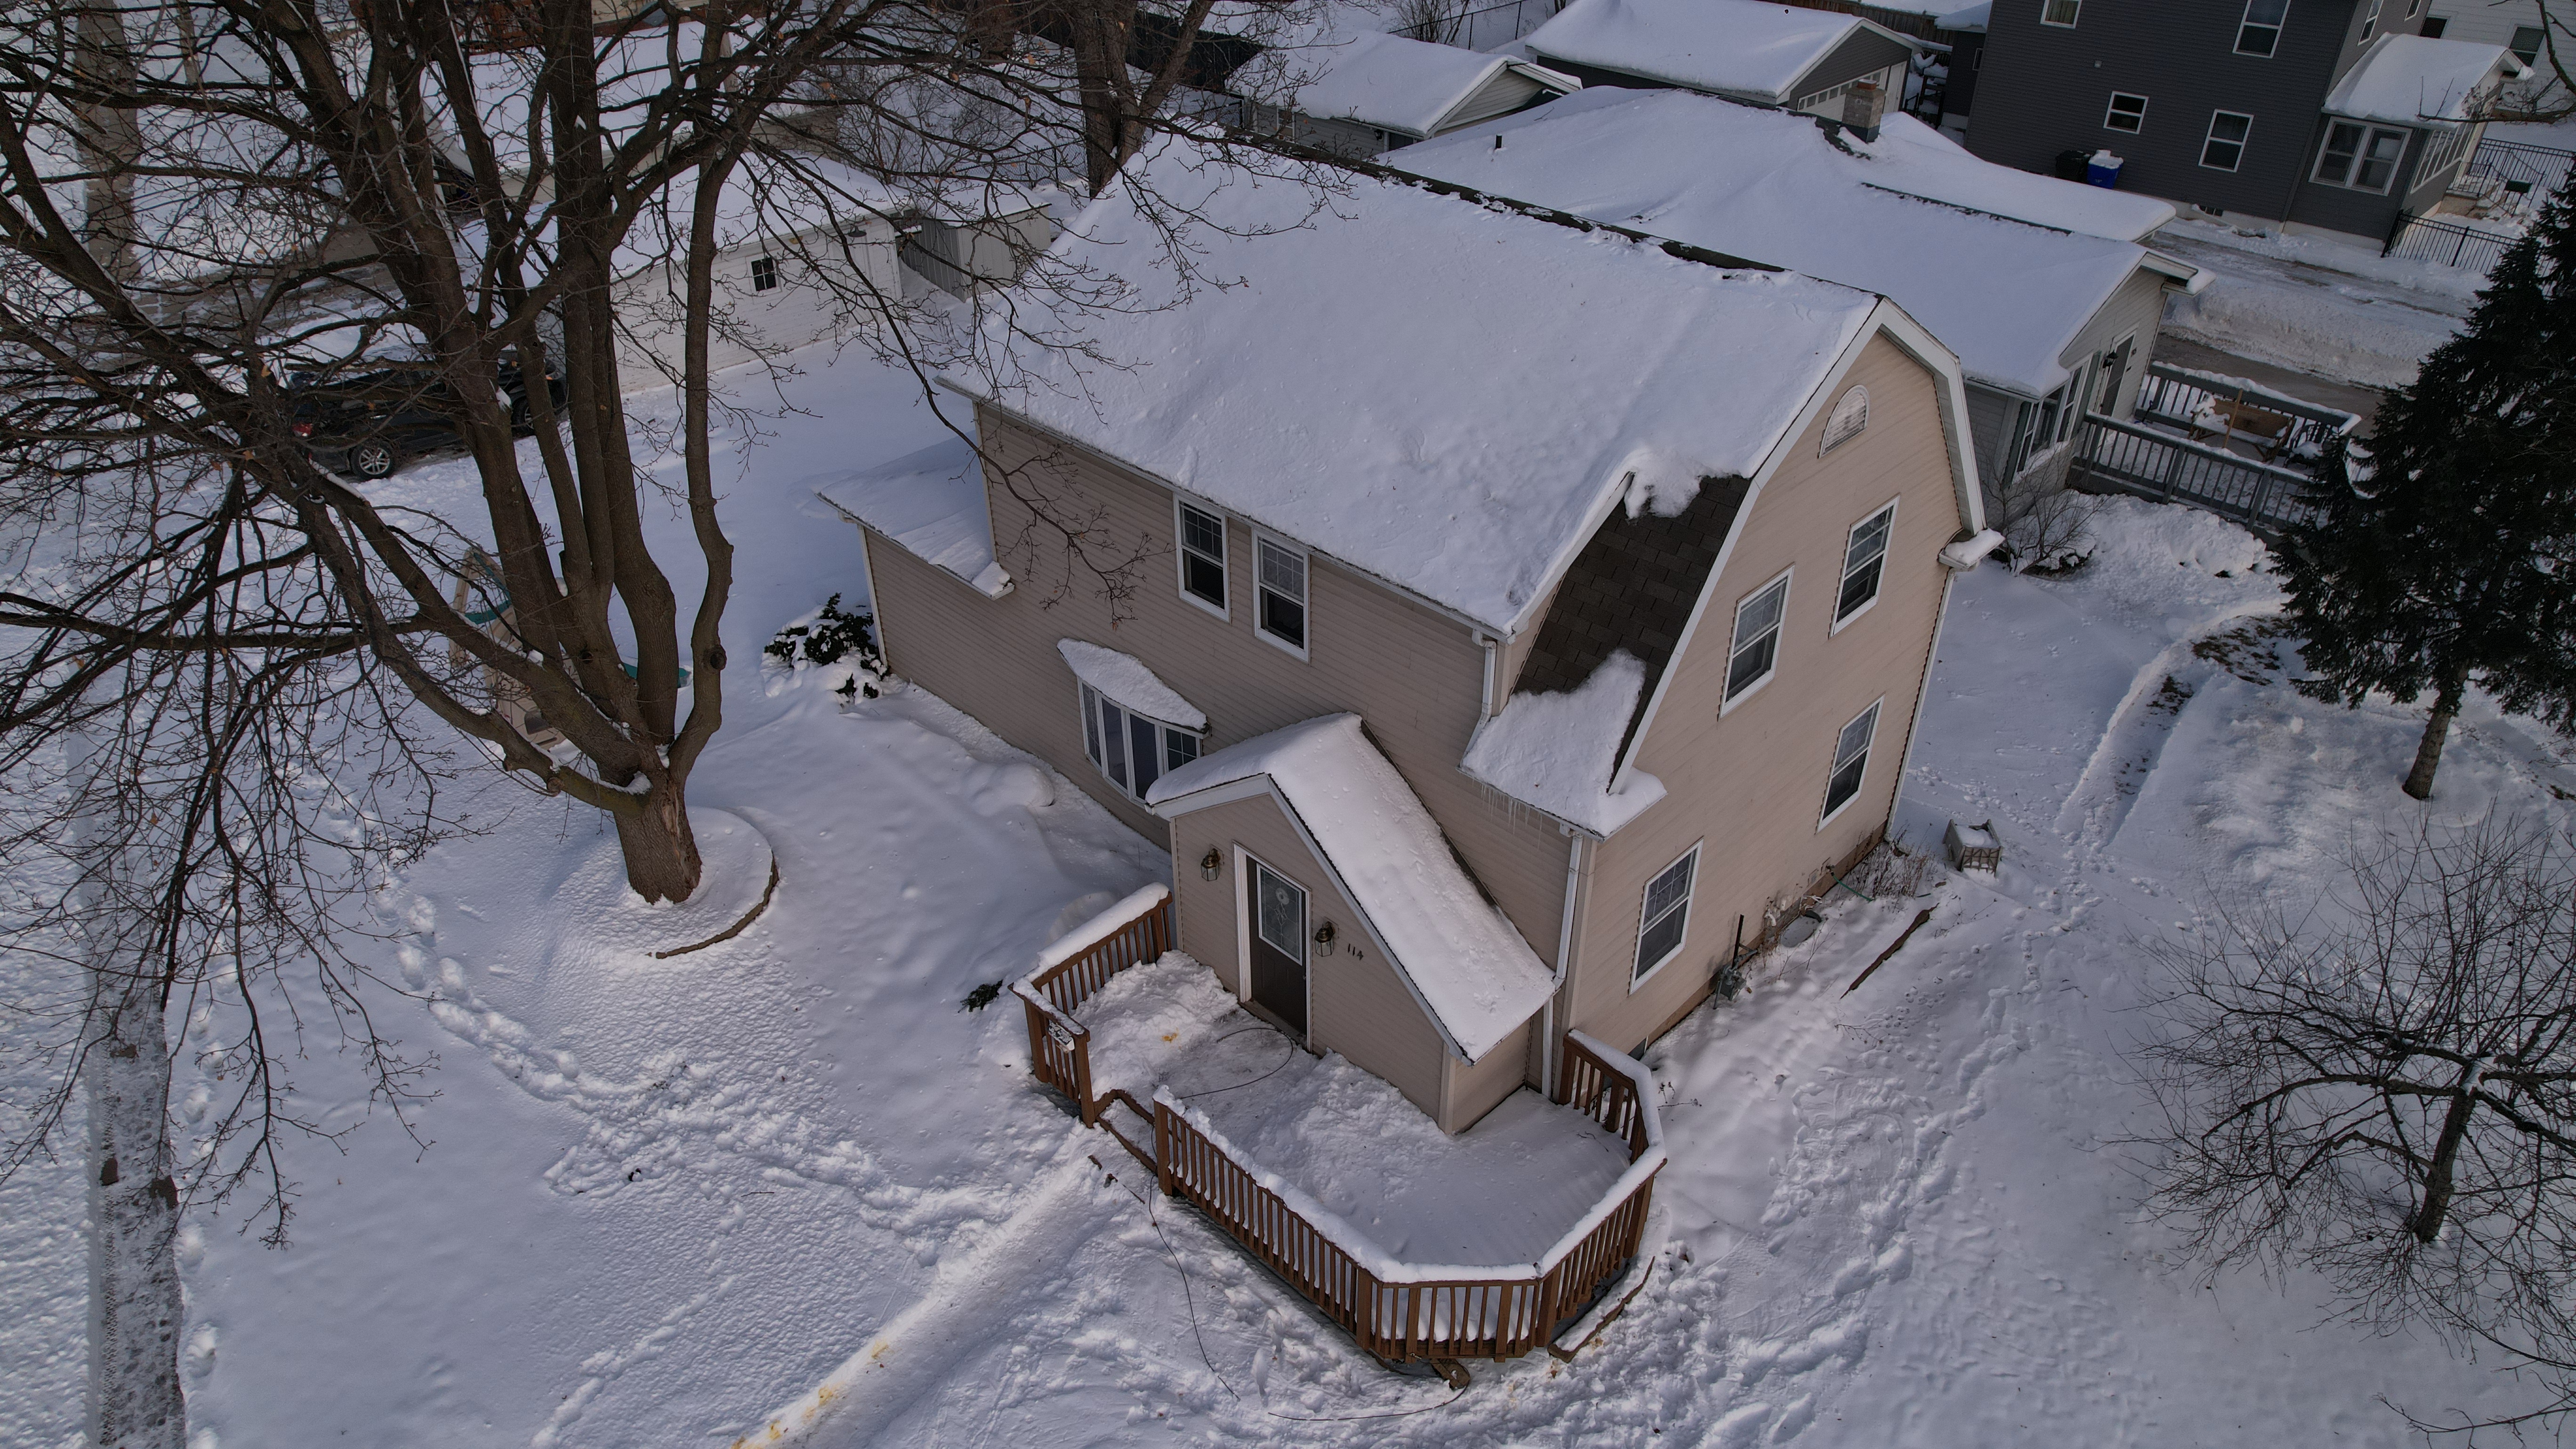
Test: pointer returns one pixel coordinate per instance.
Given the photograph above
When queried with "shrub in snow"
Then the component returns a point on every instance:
(827, 638)
(2438, 557)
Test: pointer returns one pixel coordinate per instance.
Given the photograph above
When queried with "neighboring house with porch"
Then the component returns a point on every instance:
(1762, 55)
(2049, 319)
(2322, 115)
(1363, 94)
(1508, 649)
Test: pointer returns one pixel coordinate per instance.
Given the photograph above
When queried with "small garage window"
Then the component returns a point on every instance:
(764, 273)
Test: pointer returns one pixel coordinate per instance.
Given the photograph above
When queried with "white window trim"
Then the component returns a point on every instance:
(1830, 816)
(1888, 508)
(1637, 979)
(1083, 695)
(2111, 107)
(2245, 18)
(1729, 704)
(2369, 133)
(2211, 134)
(2061, 24)
(1299, 651)
(1181, 562)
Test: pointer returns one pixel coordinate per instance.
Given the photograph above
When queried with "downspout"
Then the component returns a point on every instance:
(1485, 695)
(1564, 950)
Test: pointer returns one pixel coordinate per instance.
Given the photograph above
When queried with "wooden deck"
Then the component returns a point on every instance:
(1391, 1308)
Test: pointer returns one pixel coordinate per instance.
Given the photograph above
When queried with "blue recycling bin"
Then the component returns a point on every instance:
(2103, 169)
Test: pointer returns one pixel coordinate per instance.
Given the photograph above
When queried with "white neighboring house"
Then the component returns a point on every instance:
(1764, 55)
(814, 255)
(2040, 286)
(2519, 26)
(1369, 93)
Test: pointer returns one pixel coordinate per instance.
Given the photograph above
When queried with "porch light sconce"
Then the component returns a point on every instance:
(1324, 939)
(1211, 865)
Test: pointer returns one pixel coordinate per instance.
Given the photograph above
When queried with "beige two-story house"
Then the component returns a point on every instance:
(1516, 614)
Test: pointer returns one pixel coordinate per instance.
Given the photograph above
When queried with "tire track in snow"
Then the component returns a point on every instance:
(2133, 739)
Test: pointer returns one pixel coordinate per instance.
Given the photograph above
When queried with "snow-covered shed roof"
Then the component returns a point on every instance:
(2409, 80)
(1970, 18)
(2007, 296)
(1441, 393)
(1732, 47)
(1129, 681)
(1411, 87)
(1462, 959)
(1912, 159)
(931, 503)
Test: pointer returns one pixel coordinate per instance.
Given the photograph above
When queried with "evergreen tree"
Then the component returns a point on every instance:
(2444, 553)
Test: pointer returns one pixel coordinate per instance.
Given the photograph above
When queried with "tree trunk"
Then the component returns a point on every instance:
(2428, 755)
(2426, 1225)
(661, 851)
(135, 1309)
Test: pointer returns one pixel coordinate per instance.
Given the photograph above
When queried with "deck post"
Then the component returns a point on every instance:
(1163, 1147)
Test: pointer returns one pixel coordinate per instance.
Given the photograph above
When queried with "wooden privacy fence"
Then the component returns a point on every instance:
(2132, 459)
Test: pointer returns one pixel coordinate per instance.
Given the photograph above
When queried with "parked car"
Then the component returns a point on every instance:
(370, 424)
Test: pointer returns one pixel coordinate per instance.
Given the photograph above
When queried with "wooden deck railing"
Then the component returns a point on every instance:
(1135, 930)
(1402, 1311)
(1396, 1310)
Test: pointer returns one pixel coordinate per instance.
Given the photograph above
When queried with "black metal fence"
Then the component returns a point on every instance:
(1487, 27)
(2125, 457)
(2427, 239)
(2524, 169)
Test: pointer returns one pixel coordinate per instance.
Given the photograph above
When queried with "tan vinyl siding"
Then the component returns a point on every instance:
(1355, 1003)
(1478, 1089)
(1751, 786)
(1411, 672)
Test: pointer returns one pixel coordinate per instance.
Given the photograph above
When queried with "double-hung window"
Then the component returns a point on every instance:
(1851, 762)
(2362, 157)
(2224, 149)
(2370, 21)
(1667, 915)
(1756, 655)
(2526, 43)
(2059, 12)
(1864, 560)
(764, 273)
(1202, 557)
(1281, 580)
(2127, 113)
(1130, 749)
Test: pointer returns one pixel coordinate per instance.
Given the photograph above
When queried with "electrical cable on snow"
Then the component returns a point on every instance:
(1265, 1076)
(1191, 1299)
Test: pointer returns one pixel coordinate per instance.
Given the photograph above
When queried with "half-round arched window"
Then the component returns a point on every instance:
(1850, 415)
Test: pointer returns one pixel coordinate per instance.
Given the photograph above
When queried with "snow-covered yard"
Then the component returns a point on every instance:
(663, 1200)
(2314, 304)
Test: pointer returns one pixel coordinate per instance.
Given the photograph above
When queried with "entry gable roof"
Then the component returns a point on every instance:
(2409, 80)
(1451, 946)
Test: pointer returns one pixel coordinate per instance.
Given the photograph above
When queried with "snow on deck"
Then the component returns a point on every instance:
(1444, 395)
(2409, 80)
(2007, 297)
(1504, 1191)
(1462, 957)
(1738, 47)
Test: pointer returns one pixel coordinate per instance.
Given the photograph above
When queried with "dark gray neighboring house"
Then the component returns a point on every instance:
(2330, 115)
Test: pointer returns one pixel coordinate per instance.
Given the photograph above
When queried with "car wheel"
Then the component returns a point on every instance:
(371, 460)
(522, 418)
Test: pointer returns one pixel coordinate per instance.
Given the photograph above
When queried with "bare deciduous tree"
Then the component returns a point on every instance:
(2381, 1087)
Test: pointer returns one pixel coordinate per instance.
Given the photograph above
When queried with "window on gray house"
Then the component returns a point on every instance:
(1130, 749)
(2526, 44)
(1203, 556)
(2059, 12)
(2224, 150)
(1281, 574)
(764, 273)
(2127, 113)
(1667, 914)
(2260, 32)
(1864, 559)
(1756, 655)
(2370, 20)
(2362, 157)
(2434, 25)
(1851, 761)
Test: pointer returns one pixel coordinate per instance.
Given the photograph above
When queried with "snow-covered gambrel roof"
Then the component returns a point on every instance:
(1411, 87)
(1730, 47)
(2408, 80)
(2008, 296)
(1443, 394)
(1454, 950)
